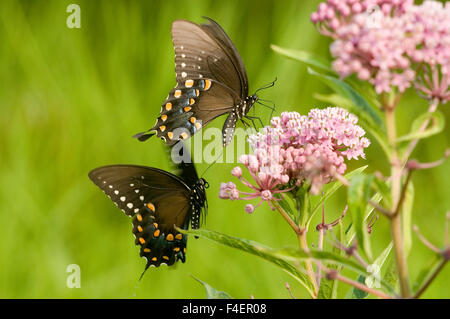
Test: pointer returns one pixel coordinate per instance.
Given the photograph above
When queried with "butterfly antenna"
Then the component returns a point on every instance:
(267, 86)
(221, 153)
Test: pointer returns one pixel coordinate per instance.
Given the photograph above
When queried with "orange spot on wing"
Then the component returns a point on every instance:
(151, 207)
(207, 85)
(156, 233)
(179, 236)
(142, 240)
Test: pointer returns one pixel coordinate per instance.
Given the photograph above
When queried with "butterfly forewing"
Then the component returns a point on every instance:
(211, 81)
(220, 36)
(197, 48)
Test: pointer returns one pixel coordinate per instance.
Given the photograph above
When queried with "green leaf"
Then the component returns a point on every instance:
(371, 281)
(437, 121)
(350, 232)
(256, 249)
(304, 57)
(330, 191)
(345, 90)
(358, 293)
(328, 288)
(406, 212)
(293, 254)
(358, 195)
(427, 271)
(303, 203)
(286, 206)
(212, 293)
(390, 276)
(281, 257)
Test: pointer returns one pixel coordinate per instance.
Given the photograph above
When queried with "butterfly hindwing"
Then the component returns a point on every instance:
(156, 200)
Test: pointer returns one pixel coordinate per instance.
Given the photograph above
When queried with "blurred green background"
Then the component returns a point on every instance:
(70, 100)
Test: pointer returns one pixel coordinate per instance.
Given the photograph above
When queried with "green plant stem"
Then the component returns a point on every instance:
(308, 264)
(320, 247)
(396, 226)
(334, 275)
(431, 109)
(301, 235)
(430, 279)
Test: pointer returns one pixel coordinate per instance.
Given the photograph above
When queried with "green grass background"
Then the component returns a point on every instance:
(70, 100)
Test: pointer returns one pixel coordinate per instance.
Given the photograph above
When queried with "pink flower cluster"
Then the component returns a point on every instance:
(391, 43)
(295, 149)
(333, 14)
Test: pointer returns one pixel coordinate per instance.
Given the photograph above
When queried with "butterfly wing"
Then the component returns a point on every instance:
(211, 81)
(156, 200)
(216, 31)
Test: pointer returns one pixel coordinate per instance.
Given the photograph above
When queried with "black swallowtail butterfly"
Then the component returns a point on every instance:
(156, 200)
(211, 81)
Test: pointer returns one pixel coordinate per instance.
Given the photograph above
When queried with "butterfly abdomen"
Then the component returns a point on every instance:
(158, 246)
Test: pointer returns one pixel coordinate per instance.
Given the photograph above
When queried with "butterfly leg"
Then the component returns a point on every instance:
(253, 118)
(247, 126)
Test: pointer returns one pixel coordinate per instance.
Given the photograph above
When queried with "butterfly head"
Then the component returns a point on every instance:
(203, 183)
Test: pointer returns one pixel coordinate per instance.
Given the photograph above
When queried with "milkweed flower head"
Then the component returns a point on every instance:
(391, 44)
(296, 149)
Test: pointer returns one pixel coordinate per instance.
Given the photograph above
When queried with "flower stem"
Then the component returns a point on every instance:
(334, 275)
(301, 235)
(430, 279)
(396, 226)
(308, 264)
(431, 109)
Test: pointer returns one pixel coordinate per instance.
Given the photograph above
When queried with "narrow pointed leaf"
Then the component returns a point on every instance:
(345, 90)
(304, 57)
(358, 195)
(256, 249)
(212, 293)
(436, 125)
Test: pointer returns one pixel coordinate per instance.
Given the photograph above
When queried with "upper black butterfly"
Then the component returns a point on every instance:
(211, 81)
(157, 201)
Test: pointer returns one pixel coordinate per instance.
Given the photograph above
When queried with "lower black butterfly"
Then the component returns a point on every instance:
(157, 201)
